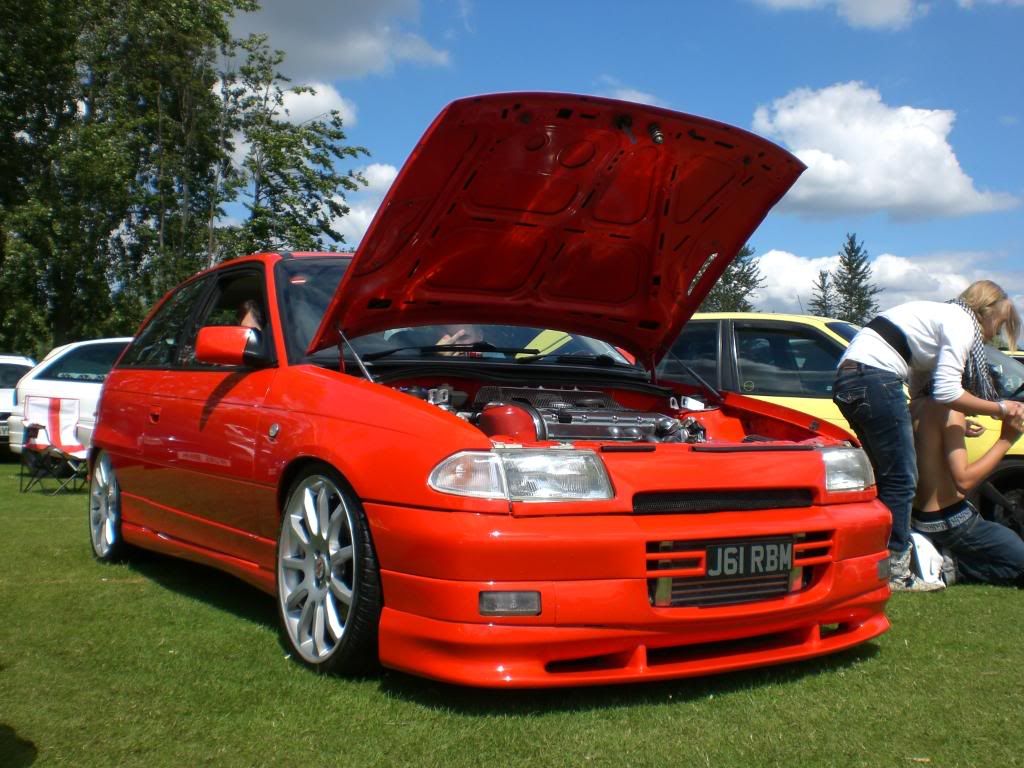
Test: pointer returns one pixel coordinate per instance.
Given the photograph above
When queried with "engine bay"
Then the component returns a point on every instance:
(530, 414)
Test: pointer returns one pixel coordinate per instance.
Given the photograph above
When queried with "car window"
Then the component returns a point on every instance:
(1007, 373)
(89, 362)
(696, 347)
(845, 330)
(792, 361)
(305, 288)
(157, 344)
(10, 373)
(238, 298)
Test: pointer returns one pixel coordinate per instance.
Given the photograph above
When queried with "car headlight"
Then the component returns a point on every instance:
(523, 475)
(847, 469)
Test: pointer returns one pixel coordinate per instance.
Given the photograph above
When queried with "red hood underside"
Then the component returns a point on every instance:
(588, 215)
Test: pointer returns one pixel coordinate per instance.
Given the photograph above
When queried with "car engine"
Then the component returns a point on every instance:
(528, 414)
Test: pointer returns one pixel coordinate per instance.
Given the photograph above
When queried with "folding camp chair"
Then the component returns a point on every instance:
(50, 449)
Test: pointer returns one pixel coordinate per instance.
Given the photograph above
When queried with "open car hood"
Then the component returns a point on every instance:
(590, 215)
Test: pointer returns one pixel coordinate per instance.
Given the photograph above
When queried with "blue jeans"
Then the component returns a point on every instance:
(873, 402)
(985, 552)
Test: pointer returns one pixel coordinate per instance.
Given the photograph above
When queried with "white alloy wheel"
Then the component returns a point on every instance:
(317, 568)
(105, 510)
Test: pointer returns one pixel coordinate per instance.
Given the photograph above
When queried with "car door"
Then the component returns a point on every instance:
(788, 363)
(204, 424)
(129, 425)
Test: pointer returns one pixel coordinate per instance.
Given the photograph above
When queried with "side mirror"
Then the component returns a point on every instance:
(233, 345)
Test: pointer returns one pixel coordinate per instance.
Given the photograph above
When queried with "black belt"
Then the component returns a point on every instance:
(891, 335)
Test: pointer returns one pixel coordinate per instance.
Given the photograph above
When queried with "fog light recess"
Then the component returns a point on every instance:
(510, 603)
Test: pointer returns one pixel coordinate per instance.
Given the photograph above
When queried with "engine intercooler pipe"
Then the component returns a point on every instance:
(518, 421)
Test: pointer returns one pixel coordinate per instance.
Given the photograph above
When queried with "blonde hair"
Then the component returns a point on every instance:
(988, 299)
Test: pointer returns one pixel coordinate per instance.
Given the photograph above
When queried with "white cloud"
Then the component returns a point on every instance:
(867, 14)
(865, 156)
(613, 88)
(972, 3)
(379, 177)
(789, 278)
(364, 204)
(306, 106)
(327, 40)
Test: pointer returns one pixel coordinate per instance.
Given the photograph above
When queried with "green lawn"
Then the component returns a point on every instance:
(164, 663)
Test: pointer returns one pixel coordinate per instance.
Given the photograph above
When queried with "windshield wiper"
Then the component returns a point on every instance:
(476, 346)
(694, 375)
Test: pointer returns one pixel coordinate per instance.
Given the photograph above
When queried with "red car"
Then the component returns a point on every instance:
(447, 453)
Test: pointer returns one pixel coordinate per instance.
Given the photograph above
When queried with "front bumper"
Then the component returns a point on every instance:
(598, 622)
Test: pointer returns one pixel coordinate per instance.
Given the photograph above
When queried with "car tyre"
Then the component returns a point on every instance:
(105, 511)
(328, 580)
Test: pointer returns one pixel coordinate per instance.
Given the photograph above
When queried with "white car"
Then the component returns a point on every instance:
(73, 371)
(12, 368)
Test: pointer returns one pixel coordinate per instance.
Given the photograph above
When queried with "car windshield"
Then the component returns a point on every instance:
(307, 285)
(305, 288)
(1007, 373)
(476, 342)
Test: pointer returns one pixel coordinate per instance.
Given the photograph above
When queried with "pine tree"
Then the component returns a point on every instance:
(733, 290)
(823, 298)
(855, 291)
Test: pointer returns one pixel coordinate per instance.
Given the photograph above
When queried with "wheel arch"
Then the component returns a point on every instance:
(1009, 474)
(295, 468)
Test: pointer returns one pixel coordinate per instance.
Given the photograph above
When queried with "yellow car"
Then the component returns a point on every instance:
(791, 360)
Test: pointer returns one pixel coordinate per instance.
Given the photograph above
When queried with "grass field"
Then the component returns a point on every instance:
(165, 663)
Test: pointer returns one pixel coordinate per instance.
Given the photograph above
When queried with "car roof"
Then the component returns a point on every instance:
(75, 344)
(779, 316)
(17, 360)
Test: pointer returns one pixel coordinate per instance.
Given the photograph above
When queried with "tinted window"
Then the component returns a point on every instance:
(305, 288)
(696, 347)
(90, 362)
(846, 330)
(157, 345)
(792, 362)
(10, 373)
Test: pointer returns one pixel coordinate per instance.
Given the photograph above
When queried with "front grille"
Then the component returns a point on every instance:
(677, 572)
(676, 502)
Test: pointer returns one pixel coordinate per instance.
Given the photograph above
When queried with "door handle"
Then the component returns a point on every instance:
(154, 415)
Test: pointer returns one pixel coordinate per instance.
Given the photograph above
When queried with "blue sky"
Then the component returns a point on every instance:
(909, 114)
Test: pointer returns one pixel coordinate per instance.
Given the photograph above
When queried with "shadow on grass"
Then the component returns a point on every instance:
(474, 701)
(15, 752)
(205, 584)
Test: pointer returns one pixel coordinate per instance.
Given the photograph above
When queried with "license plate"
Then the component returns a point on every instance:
(5, 431)
(749, 558)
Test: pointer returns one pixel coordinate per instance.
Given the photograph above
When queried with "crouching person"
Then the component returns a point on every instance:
(985, 551)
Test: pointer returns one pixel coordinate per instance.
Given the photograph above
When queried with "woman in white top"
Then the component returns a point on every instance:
(926, 345)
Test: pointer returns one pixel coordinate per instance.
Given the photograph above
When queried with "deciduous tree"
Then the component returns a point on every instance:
(288, 178)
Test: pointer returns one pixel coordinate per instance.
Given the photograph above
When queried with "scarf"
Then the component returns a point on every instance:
(977, 377)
